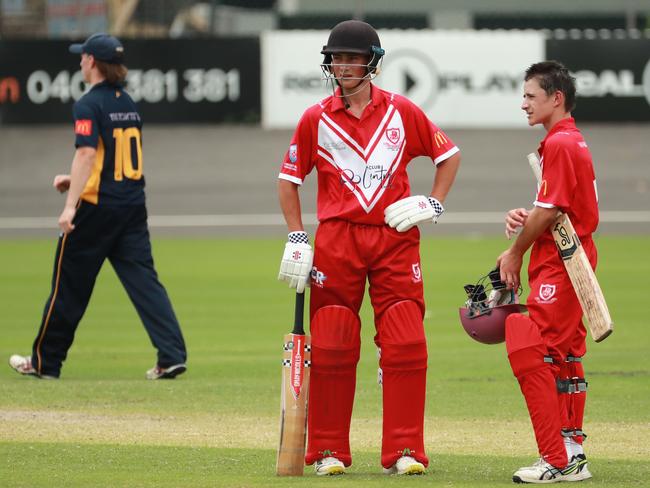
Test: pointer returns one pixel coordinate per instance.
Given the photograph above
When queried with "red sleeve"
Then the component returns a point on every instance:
(430, 140)
(558, 176)
(298, 161)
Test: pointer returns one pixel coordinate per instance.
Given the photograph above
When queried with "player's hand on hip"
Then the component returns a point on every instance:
(410, 211)
(297, 260)
(61, 183)
(66, 218)
(515, 219)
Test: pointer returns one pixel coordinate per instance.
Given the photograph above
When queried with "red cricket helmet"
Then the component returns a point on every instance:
(489, 303)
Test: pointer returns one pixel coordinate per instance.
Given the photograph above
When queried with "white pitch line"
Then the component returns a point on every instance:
(244, 220)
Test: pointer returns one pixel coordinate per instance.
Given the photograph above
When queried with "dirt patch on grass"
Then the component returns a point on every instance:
(472, 437)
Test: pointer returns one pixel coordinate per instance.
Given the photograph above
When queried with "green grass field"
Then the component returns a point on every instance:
(103, 424)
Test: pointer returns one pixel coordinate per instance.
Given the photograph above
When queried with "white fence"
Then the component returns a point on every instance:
(459, 78)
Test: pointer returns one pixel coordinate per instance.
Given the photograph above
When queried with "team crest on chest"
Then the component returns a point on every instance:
(393, 135)
(365, 171)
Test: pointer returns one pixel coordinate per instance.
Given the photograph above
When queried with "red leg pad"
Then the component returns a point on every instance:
(526, 352)
(400, 335)
(335, 343)
(577, 402)
(565, 399)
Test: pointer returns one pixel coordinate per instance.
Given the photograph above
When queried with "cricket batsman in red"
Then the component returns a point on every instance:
(546, 347)
(360, 140)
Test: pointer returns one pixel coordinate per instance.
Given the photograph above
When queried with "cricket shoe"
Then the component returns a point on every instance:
(584, 472)
(158, 373)
(405, 465)
(543, 472)
(329, 466)
(23, 365)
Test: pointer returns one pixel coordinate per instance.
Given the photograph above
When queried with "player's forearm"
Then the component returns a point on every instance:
(82, 166)
(290, 205)
(445, 176)
(538, 221)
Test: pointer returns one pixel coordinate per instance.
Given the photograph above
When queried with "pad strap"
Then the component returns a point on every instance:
(573, 433)
(571, 385)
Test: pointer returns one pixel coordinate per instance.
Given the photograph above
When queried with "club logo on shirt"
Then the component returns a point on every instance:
(417, 272)
(546, 293)
(293, 153)
(393, 135)
(83, 127)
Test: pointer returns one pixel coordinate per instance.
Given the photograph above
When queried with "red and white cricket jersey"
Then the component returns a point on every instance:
(568, 178)
(361, 163)
(569, 184)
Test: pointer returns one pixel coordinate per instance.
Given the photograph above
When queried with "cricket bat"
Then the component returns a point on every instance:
(579, 269)
(296, 364)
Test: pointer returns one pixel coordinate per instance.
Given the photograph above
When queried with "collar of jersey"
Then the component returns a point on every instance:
(562, 125)
(104, 83)
(337, 101)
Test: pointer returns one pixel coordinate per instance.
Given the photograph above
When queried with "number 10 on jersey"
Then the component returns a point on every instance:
(125, 140)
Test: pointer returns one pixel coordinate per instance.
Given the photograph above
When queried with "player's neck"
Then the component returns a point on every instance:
(357, 101)
(95, 77)
(555, 118)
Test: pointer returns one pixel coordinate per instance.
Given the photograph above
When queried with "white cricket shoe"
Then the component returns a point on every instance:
(329, 466)
(23, 365)
(543, 472)
(584, 466)
(158, 373)
(405, 465)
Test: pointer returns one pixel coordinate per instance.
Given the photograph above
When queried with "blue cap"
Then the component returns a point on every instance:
(102, 47)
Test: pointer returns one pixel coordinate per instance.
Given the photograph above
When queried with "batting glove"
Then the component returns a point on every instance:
(410, 211)
(297, 259)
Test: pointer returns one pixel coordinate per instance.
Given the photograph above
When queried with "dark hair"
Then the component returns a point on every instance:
(115, 74)
(553, 76)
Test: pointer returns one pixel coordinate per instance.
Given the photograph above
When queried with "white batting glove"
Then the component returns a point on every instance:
(297, 259)
(410, 211)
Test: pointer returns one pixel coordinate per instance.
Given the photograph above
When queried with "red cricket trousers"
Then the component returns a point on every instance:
(346, 256)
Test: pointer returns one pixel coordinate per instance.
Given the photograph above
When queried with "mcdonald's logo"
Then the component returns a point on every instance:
(83, 127)
(543, 187)
(440, 139)
(9, 90)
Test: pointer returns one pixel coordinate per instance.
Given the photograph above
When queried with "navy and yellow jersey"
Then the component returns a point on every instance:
(107, 119)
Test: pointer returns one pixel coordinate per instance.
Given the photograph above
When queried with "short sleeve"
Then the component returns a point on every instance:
(431, 140)
(298, 162)
(558, 177)
(86, 127)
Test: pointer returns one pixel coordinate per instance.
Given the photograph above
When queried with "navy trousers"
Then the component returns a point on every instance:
(121, 235)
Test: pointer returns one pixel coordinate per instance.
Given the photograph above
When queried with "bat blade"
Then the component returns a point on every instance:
(536, 167)
(582, 276)
(296, 364)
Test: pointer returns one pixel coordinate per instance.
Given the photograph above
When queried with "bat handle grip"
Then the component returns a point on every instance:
(298, 324)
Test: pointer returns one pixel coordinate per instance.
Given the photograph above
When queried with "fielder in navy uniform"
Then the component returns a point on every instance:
(104, 217)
